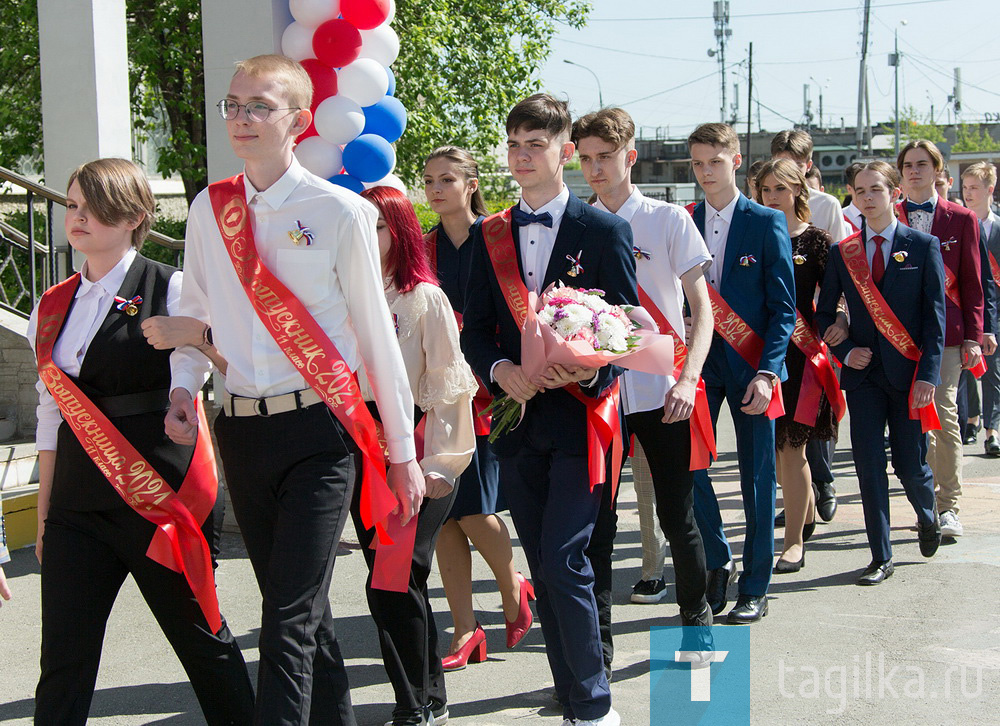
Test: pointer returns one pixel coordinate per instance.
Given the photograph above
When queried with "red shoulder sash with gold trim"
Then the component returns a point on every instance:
(603, 421)
(703, 449)
(852, 251)
(178, 542)
(951, 290)
(482, 416)
(994, 268)
(818, 377)
(318, 361)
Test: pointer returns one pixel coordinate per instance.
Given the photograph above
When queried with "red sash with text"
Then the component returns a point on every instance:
(482, 418)
(853, 253)
(703, 449)
(603, 421)
(994, 268)
(317, 359)
(818, 376)
(951, 290)
(178, 542)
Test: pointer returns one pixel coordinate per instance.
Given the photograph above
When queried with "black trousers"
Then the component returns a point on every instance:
(408, 635)
(819, 455)
(86, 558)
(290, 478)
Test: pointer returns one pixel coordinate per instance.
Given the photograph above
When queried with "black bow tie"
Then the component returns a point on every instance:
(922, 207)
(522, 218)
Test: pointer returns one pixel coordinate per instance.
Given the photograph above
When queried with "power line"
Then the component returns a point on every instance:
(697, 60)
(760, 15)
(674, 88)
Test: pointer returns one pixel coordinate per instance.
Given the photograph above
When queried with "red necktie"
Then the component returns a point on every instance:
(878, 261)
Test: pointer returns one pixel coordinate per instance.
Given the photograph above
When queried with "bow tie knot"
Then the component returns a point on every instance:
(523, 219)
(922, 207)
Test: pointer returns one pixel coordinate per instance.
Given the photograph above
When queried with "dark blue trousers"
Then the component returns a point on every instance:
(554, 511)
(758, 480)
(872, 405)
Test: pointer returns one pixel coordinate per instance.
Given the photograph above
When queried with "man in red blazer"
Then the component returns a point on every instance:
(957, 229)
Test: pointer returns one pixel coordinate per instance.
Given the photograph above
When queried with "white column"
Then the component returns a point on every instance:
(234, 30)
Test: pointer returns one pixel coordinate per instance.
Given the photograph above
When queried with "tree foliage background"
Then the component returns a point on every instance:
(463, 64)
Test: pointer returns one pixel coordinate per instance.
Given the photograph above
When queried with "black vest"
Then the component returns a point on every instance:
(120, 362)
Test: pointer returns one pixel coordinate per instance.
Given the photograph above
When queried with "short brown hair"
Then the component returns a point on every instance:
(612, 125)
(984, 171)
(289, 73)
(716, 134)
(788, 173)
(815, 173)
(852, 171)
(797, 143)
(468, 167)
(887, 170)
(935, 153)
(541, 112)
(117, 192)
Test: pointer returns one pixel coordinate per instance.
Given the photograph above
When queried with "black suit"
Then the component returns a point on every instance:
(543, 463)
(968, 393)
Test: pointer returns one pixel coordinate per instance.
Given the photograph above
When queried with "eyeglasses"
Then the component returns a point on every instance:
(256, 110)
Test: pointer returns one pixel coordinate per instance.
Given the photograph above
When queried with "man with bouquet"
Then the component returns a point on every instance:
(550, 236)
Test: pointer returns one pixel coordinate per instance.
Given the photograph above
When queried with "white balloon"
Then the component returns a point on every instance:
(314, 12)
(297, 42)
(339, 120)
(392, 11)
(320, 156)
(390, 180)
(381, 44)
(363, 81)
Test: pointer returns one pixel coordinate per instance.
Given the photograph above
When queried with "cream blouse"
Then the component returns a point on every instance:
(441, 380)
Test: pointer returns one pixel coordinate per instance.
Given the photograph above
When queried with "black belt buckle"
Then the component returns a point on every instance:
(260, 407)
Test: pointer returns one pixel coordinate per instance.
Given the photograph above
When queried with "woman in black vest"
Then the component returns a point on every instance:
(89, 538)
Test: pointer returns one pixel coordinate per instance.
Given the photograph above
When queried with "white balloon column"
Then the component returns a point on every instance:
(346, 47)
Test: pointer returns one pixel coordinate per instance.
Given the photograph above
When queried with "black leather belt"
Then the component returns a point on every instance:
(133, 404)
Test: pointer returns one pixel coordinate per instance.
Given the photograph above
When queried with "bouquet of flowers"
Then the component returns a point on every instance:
(577, 327)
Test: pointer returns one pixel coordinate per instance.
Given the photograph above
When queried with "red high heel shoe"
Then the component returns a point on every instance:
(517, 629)
(474, 651)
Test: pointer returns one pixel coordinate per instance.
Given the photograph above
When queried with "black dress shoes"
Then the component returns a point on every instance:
(826, 500)
(971, 434)
(719, 581)
(779, 519)
(992, 445)
(785, 566)
(876, 572)
(748, 609)
(807, 530)
(930, 537)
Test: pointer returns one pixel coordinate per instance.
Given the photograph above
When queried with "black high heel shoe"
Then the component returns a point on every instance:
(785, 566)
(807, 530)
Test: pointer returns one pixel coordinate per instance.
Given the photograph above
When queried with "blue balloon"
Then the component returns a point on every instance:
(392, 82)
(369, 158)
(387, 119)
(348, 182)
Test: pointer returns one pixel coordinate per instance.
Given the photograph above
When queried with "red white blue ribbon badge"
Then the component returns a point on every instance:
(639, 254)
(575, 267)
(301, 233)
(747, 260)
(129, 307)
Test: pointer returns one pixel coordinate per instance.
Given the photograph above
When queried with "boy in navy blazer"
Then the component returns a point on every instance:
(891, 357)
(543, 462)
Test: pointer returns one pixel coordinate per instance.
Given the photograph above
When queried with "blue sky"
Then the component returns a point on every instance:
(641, 48)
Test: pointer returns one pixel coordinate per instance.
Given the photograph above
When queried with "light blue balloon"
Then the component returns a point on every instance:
(392, 81)
(348, 182)
(387, 119)
(369, 158)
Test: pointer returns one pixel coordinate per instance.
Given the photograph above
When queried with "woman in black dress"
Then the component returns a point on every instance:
(451, 182)
(782, 186)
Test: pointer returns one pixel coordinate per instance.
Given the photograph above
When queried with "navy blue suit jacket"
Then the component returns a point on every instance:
(991, 295)
(914, 289)
(489, 333)
(763, 292)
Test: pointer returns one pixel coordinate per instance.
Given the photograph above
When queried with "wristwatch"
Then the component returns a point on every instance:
(773, 377)
(206, 337)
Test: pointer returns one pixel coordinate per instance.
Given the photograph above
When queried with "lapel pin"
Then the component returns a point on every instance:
(799, 259)
(639, 254)
(747, 260)
(575, 267)
(129, 307)
(301, 233)
(947, 245)
(899, 256)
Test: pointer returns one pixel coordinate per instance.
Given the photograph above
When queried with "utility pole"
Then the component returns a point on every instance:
(720, 13)
(863, 76)
(894, 62)
(750, 101)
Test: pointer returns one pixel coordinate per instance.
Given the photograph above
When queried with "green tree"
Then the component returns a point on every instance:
(20, 84)
(973, 137)
(913, 126)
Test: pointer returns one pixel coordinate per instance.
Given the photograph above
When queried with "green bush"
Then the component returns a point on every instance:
(428, 218)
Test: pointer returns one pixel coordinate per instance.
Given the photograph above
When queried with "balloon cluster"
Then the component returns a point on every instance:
(346, 47)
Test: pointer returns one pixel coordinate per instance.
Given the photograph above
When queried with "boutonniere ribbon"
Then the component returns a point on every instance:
(575, 267)
(129, 307)
(799, 259)
(639, 254)
(900, 256)
(301, 233)
(747, 260)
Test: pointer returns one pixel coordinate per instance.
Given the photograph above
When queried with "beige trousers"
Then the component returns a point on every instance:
(654, 543)
(944, 451)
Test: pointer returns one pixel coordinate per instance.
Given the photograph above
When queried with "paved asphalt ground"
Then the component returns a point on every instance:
(933, 623)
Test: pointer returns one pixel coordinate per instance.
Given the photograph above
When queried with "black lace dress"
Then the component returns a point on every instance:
(810, 251)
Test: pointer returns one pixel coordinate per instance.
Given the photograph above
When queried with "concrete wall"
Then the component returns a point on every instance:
(18, 375)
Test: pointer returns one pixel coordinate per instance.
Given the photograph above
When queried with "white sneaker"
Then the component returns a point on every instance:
(611, 718)
(568, 722)
(950, 526)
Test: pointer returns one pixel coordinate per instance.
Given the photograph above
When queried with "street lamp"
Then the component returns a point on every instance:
(894, 61)
(600, 96)
(821, 87)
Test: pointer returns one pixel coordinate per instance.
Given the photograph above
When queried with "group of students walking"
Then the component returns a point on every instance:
(360, 357)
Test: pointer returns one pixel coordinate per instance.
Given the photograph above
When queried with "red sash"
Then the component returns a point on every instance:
(745, 341)
(818, 376)
(317, 359)
(703, 449)
(482, 417)
(603, 421)
(994, 268)
(854, 227)
(178, 542)
(951, 290)
(856, 261)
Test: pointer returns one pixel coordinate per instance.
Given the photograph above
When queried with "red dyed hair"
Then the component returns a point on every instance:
(407, 257)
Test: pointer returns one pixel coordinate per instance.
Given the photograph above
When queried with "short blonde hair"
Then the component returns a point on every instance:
(984, 171)
(289, 73)
(716, 134)
(788, 173)
(117, 192)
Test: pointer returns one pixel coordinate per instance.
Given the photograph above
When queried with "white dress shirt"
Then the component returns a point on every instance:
(92, 304)
(337, 278)
(717, 224)
(668, 234)
(852, 212)
(988, 224)
(537, 240)
(827, 214)
(920, 220)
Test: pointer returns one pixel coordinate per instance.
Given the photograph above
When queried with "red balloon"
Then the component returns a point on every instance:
(336, 43)
(324, 80)
(365, 14)
(311, 131)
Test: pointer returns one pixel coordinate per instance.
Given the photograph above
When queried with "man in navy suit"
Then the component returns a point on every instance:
(543, 462)
(751, 273)
(898, 333)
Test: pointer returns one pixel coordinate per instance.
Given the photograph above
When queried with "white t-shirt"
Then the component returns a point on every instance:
(828, 215)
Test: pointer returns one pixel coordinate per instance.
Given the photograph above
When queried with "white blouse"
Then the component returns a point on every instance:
(441, 380)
